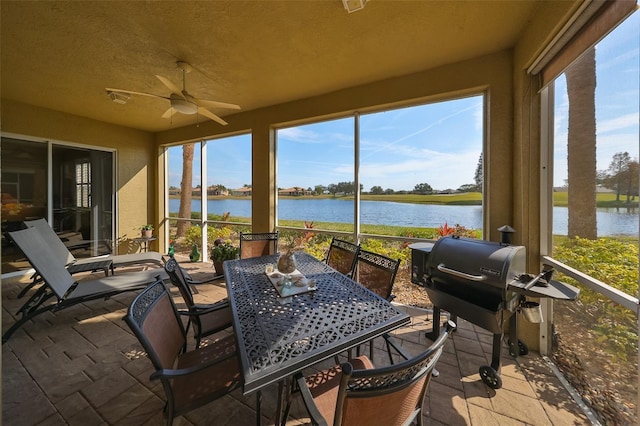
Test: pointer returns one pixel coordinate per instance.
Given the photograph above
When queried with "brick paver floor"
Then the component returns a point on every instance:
(83, 366)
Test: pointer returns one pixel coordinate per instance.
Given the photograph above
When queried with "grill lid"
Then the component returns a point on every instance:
(466, 260)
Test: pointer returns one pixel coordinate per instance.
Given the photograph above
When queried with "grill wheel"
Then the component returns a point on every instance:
(490, 377)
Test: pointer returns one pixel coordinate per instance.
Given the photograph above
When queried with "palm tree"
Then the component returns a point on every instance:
(186, 187)
(581, 156)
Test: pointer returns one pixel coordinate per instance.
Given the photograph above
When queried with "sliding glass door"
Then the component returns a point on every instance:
(69, 186)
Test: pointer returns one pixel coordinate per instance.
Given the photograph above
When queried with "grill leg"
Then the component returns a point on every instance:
(514, 349)
(497, 349)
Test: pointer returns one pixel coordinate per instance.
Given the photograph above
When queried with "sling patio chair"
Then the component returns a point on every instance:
(342, 256)
(59, 289)
(207, 319)
(258, 244)
(377, 273)
(358, 393)
(190, 379)
(74, 265)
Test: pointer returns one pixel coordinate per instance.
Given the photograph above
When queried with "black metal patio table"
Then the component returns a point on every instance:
(278, 337)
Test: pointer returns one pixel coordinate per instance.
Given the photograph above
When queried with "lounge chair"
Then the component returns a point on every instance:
(58, 283)
(50, 237)
(73, 265)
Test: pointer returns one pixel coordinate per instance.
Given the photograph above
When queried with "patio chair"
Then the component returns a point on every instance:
(190, 379)
(206, 319)
(358, 393)
(342, 256)
(258, 244)
(59, 289)
(377, 273)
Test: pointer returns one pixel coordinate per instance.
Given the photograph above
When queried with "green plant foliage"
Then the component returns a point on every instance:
(224, 250)
(615, 263)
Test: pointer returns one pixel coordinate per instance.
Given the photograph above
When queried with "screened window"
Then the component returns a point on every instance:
(594, 222)
(414, 171)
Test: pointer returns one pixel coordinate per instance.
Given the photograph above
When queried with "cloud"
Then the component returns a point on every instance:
(618, 123)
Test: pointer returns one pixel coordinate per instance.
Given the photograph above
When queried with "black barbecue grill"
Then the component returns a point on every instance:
(485, 283)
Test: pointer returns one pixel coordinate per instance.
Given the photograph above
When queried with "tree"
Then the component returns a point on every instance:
(632, 180)
(376, 190)
(423, 188)
(618, 171)
(186, 187)
(389, 191)
(479, 176)
(468, 187)
(581, 146)
(319, 189)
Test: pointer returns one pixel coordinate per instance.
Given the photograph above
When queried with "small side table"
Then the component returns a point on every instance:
(144, 243)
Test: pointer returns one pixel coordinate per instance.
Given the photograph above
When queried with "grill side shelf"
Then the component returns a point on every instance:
(555, 290)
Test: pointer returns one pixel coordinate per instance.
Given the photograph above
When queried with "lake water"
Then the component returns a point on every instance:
(610, 221)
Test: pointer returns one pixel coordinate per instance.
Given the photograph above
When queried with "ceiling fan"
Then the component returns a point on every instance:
(181, 101)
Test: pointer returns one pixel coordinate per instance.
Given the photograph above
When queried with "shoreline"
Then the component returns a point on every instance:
(560, 199)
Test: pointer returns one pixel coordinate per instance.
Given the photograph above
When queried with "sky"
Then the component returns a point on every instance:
(617, 100)
(438, 144)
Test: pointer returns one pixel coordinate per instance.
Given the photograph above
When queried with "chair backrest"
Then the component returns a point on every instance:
(258, 244)
(377, 272)
(154, 319)
(342, 256)
(177, 277)
(44, 260)
(47, 233)
(391, 395)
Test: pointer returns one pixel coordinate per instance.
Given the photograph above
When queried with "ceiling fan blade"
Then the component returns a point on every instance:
(171, 86)
(212, 116)
(131, 92)
(168, 113)
(215, 104)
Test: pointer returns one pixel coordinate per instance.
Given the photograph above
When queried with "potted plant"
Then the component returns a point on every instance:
(146, 231)
(221, 251)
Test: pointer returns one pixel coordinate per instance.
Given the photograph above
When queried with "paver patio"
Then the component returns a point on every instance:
(83, 366)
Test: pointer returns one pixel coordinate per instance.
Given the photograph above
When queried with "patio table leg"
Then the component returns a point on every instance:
(259, 408)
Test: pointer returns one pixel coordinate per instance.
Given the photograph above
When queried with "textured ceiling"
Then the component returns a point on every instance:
(62, 55)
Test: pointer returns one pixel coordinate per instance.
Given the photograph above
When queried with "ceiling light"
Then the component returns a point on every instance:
(184, 106)
(118, 97)
(354, 5)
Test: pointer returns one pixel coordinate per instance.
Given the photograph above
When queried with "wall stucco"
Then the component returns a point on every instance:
(134, 157)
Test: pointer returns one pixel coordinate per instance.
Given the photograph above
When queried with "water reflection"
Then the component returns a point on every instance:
(611, 221)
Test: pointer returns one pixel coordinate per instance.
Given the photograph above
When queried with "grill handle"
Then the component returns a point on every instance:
(442, 268)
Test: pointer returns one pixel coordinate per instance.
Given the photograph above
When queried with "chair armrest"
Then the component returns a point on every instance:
(224, 303)
(167, 372)
(202, 309)
(307, 398)
(191, 281)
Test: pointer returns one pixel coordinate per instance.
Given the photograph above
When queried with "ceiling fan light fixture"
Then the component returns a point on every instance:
(183, 106)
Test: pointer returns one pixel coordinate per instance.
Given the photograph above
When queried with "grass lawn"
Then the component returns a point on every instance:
(560, 199)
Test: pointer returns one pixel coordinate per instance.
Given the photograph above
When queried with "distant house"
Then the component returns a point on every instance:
(295, 191)
(242, 192)
(217, 190)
